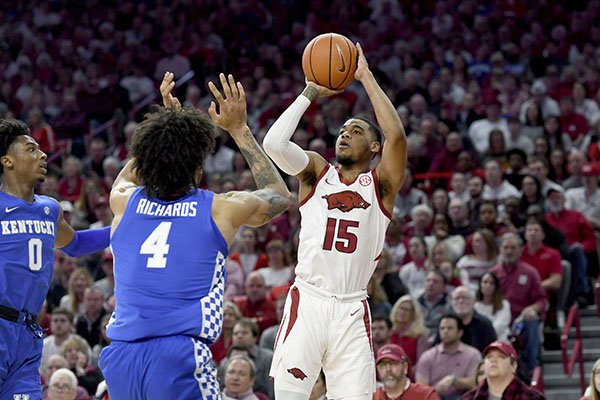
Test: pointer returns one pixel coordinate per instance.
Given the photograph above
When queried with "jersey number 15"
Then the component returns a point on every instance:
(337, 232)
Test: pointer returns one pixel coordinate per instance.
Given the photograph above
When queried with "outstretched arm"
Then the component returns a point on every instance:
(391, 168)
(272, 197)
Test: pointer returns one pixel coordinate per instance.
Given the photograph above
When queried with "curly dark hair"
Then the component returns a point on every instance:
(10, 130)
(168, 148)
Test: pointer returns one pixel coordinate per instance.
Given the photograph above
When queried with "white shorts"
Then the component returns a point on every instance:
(321, 330)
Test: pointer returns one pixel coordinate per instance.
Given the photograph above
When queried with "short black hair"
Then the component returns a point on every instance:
(459, 323)
(10, 130)
(384, 318)
(168, 148)
(372, 127)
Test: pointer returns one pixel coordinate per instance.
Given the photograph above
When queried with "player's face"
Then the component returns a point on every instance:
(29, 162)
(354, 143)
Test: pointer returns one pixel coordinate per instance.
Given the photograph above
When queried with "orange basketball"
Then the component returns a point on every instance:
(330, 60)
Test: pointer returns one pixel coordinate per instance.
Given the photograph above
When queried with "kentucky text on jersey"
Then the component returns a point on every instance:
(28, 226)
(186, 209)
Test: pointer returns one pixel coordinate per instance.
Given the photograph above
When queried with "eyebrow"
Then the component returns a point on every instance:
(352, 126)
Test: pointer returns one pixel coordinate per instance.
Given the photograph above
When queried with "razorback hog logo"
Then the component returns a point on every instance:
(297, 373)
(345, 201)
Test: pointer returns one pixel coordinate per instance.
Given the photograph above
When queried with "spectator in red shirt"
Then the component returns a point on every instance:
(571, 122)
(249, 256)
(547, 262)
(393, 368)
(521, 286)
(255, 305)
(580, 237)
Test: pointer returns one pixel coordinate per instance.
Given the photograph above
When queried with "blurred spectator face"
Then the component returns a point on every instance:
(380, 331)
(513, 127)
(422, 220)
(511, 206)
(534, 234)
(391, 372)
(493, 174)
(567, 106)
(475, 186)
(61, 388)
(539, 170)
(438, 254)
(556, 201)
(575, 161)
(487, 214)
(453, 142)
(497, 365)
(93, 300)
(243, 335)
(60, 324)
(487, 285)
(510, 251)
(434, 285)
(417, 105)
(416, 249)
(447, 269)
(55, 361)
(405, 314)
(255, 287)
(516, 162)
(426, 128)
(440, 223)
(229, 318)
(478, 243)
(238, 377)
(458, 183)
(529, 187)
(280, 307)
(72, 167)
(465, 162)
(439, 200)
(49, 185)
(457, 210)
(492, 111)
(448, 330)
(246, 181)
(249, 240)
(551, 124)
(462, 302)
(533, 113)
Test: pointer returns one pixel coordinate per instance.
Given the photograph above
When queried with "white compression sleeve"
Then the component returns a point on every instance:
(285, 154)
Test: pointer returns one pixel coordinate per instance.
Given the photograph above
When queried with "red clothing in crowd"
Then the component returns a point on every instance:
(262, 311)
(546, 260)
(408, 344)
(521, 286)
(262, 260)
(219, 349)
(70, 192)
(574, 125)
(576, 228)
(414, 392)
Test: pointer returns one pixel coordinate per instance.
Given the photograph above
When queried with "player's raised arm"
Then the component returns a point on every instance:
(391, 168)
(288, 156)
(272, 197)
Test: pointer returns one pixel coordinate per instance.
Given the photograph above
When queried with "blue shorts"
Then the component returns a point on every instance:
(172, 367)
(20, 357)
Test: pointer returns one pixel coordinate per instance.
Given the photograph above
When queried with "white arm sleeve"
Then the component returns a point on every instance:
(285, 154)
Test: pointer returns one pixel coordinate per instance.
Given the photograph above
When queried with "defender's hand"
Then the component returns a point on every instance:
(166, 87)
(232, 115)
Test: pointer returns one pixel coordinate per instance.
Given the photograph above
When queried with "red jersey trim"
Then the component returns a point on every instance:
(343, 180)
(367, 321)
(378, 195)
(295, 297)
(312, 192)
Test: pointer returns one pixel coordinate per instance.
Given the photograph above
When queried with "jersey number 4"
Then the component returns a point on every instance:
(156, 245)
(338, 232)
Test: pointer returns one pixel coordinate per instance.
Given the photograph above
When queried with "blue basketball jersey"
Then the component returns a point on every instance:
(26, 250)
(169, 262)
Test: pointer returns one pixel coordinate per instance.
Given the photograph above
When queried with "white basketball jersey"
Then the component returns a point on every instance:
(342, 232)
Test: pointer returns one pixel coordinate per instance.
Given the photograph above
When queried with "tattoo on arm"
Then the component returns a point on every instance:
(277, 203)
(264, 172)
(310, 93)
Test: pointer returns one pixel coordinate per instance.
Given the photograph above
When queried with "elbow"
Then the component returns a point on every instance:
(270, 145)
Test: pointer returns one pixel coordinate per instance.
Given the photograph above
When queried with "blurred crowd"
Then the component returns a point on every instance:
(497, 221)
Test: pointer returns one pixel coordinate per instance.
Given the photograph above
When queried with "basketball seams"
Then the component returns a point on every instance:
(350, 64)
(330, 57)
(312, 71)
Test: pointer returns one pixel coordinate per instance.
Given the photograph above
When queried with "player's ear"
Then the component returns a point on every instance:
(375, 147)
(7, 161)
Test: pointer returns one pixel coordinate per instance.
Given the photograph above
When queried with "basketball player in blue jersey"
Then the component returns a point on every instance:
(31, 226)
(169, 241)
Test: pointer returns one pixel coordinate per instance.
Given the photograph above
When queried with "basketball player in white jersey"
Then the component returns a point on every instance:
(345, 212)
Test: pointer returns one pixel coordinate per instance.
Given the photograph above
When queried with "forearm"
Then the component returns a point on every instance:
(264, 172)
(553, 282)
(287, 155)
(463, 383)
(386, 114)
(127, 175)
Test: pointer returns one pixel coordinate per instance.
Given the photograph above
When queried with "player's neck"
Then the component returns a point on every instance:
(21, 190)
(352, 171)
